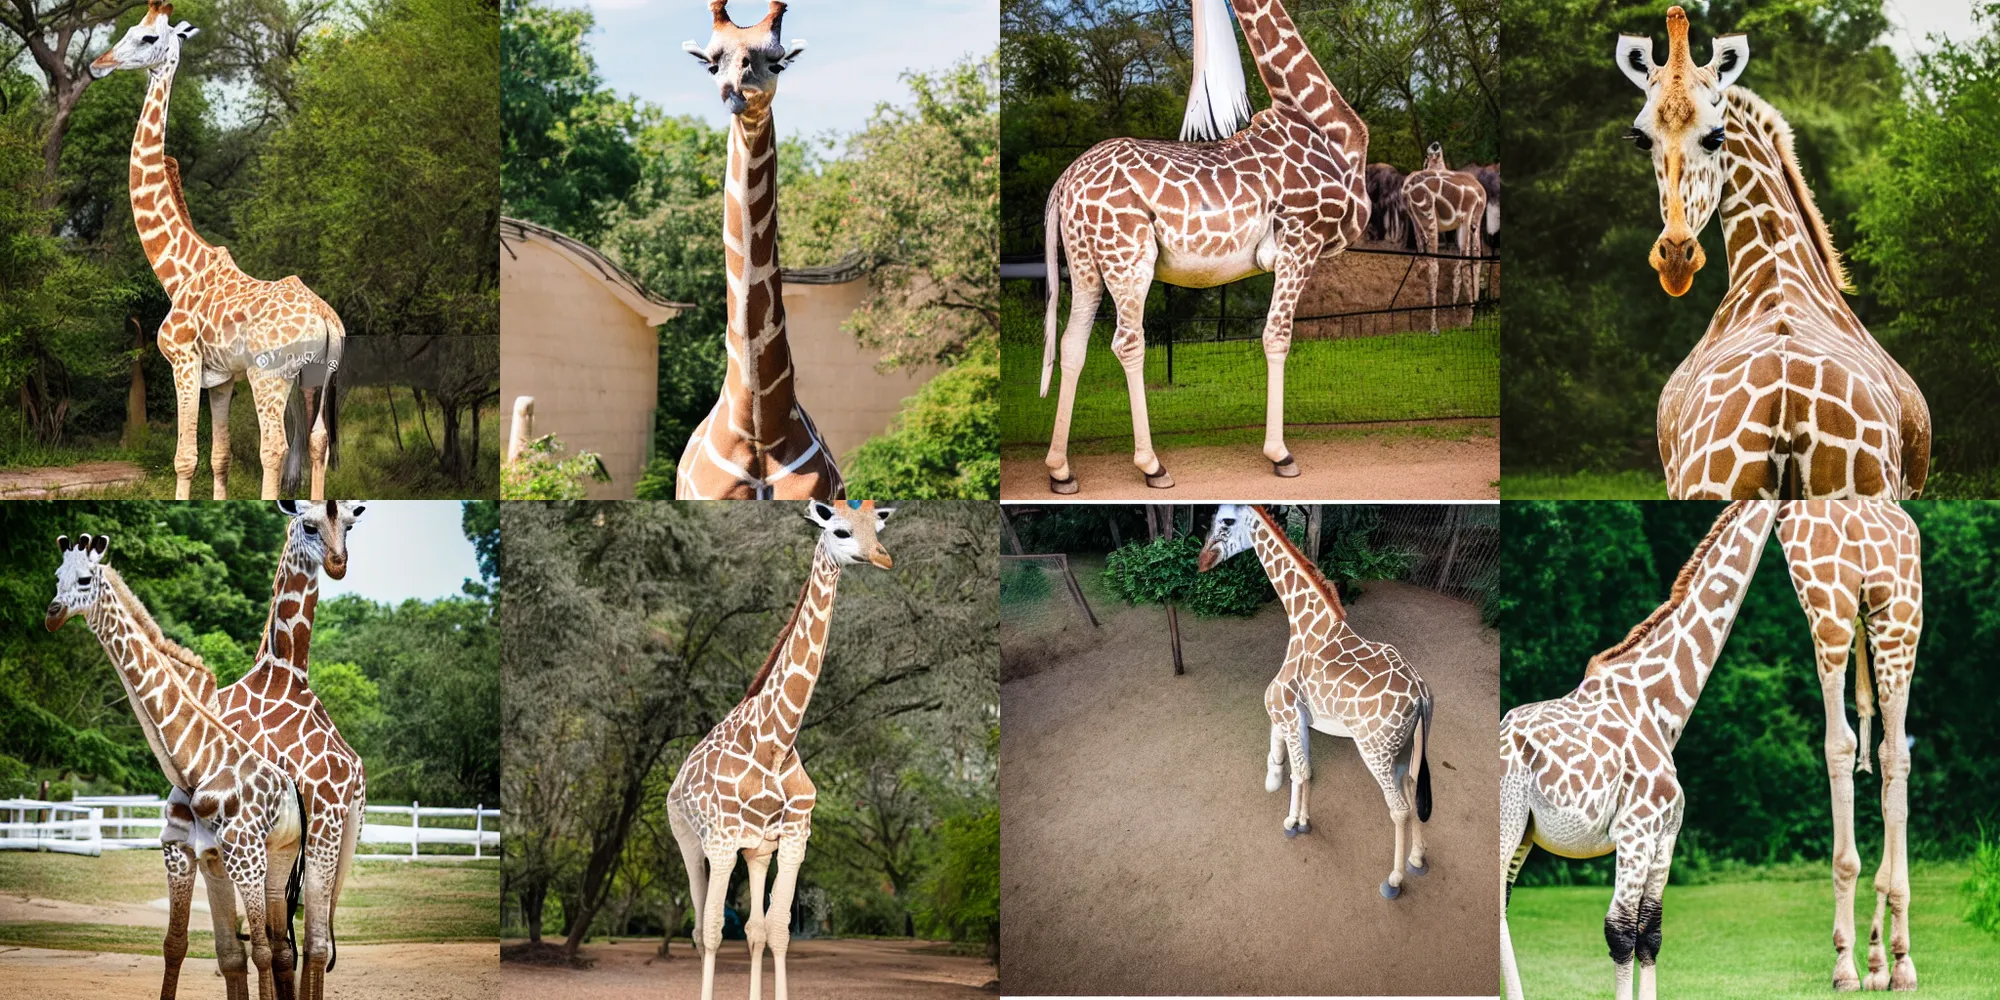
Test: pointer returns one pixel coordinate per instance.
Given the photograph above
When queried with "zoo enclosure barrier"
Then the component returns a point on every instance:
(98, 823)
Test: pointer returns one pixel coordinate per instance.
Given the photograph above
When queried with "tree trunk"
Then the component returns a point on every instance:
(135, 396)
(533, 896)
(453, 459)
(604, 856)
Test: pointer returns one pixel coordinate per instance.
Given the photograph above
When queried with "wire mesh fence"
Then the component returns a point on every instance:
(1353, 359)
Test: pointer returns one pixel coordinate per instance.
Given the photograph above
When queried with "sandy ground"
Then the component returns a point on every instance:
(365, 972)
(822, 970)
(1140, 853)
(40, 484)
(1339, 468)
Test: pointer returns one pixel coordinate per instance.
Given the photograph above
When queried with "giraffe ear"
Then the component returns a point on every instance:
(698, 52)
(290, 508)
(882, 515)
(62, 543)
(98, 546)
(1732, 53)
(186, 30)
(791, 53)
(818, 513)
(1635, 58)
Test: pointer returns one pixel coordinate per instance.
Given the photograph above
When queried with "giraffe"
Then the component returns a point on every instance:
(1336, 682)
(1786, 395)
(1275, 197)
(273, 708)
(1442, 200)
(224, 324)
(247, 807)
(757, 443)
(1592, 772)
(1857, 566)
(743, 787)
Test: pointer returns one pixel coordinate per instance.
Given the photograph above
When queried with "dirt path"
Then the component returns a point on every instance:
(365, 972)
(68, 480)
(1335, 468)
(1140, 853)
(824, 970)
(24, 909)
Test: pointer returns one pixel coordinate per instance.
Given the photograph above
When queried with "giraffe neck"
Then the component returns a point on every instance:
(177, 723)
(1771, 231)
(193, 672)
(1662, 666)
(283, 656)
(1293, 77)
(795, 661)
(758, 383)
(172, 247)
(1310, 602)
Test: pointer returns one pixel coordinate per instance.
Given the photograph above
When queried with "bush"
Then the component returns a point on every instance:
(541, 473)
(1162, 571)
(1984, 885)
(944, 445)
(962, 894)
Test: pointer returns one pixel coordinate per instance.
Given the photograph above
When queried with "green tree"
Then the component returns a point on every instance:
(569, 140)
(945, 444)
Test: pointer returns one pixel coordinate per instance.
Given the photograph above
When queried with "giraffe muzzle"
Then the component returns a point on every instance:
(1677, 260)
(1207, 561)
(56, 616)
(881, 558)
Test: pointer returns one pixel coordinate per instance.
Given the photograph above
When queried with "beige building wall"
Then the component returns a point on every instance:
(848, 400)
(590, 362)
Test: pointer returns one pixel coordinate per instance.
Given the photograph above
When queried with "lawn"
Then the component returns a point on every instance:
(1751, 939)
(1404, 376)
(375, 461)
(1628, 485)
(384, 901)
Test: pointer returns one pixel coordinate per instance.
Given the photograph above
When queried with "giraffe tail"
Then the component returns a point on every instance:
(1423, 761)
(1864, 692)
(296, 883)
(1051, 251)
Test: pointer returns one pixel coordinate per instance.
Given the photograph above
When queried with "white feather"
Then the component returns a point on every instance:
(1218, 99)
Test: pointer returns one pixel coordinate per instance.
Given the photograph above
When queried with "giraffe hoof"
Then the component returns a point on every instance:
(1846, 985)
(1305, 826)
(1417, 869)
(1287, 469)
(1160, 480)
(1391, 891)
(1063, 486)
(1875, 981)
(1291, 831)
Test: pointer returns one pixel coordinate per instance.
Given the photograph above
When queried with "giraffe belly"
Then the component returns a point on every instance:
(1567, 830)
(1189, 268)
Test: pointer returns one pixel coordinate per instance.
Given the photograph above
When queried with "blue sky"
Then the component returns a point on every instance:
(406, 548)
(855, 51)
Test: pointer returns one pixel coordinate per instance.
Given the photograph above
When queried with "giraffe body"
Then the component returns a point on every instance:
(743, 788)
(1857, 566)
(224, 324)
(1592, 772)
(1273, 197)
(1787, 395)
(249, 804)
(1442, 200)
(1338, 683)
(757, 443)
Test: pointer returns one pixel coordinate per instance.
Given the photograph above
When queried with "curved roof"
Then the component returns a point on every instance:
(651, 306)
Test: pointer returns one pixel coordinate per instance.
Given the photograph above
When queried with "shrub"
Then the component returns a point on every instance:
(1984, 885)
(945, 444)
(962, 894)
(1162, 571)
(541, 473)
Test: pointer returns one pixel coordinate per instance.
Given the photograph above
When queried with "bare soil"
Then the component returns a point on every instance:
(58, 481)
(1332, 468)
(1140, 853)
(363, 972)
(823, 970)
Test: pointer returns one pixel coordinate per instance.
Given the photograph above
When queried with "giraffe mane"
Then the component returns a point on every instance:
(1683, 584)
(151, 628)
(1762, 114)
(174, 188)
(784, 637)
(1327, 591)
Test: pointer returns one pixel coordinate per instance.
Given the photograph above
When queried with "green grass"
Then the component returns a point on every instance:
(1405, 376)
(1227, 437)
(384, 901)
(1751, 939)
(1629, 485)
(372, 464)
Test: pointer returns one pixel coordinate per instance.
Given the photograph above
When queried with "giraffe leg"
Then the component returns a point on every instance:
(1274, 763)
(318, 440)
(754, 930)
(1514, 848)
(1428, 235)
(218, 435)
(1288, 723)
(316, 899)
(1399, 818)
(1294, 269)
(1128, 286)
(1622, 922)
(791, 853)
(1415, 859)
(278, 920)
(1892, 880)
(1647, 947)
(695, 863)
(1833, 634)
(187, 412)
(1086, 290)
(270, 392)
(230, 956)
(249, 878)
(720, 863)
(179, 859)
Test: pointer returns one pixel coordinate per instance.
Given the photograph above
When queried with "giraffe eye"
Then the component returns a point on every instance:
(311, 529)
(842, 533)
(1713, 140)
(1639, 138)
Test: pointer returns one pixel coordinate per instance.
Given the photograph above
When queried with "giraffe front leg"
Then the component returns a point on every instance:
(791, 854)
(187, 402)
(695, 864)
(755, 930)
(720, 862)
(1623, 923)
(249, 879)
(179, 860)
(218, 435)
(270, 392)
(1086, 291)
(1647, 948)
(231, 959)
(1294, 269)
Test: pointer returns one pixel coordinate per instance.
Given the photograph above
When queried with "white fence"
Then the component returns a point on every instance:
(98, 823)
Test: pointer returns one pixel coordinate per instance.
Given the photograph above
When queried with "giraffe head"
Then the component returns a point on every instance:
(848, 530)
(1228, 534)
(746, 61)
(1681, 128)
(318, 532)
(77, 578)
(1434, 157)
(147, 44)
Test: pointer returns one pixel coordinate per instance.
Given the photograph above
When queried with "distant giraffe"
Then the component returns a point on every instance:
(1336, 682)
(743, 787)
(1442, 200)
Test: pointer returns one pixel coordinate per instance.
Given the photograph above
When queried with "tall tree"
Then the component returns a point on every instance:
(60, 37)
